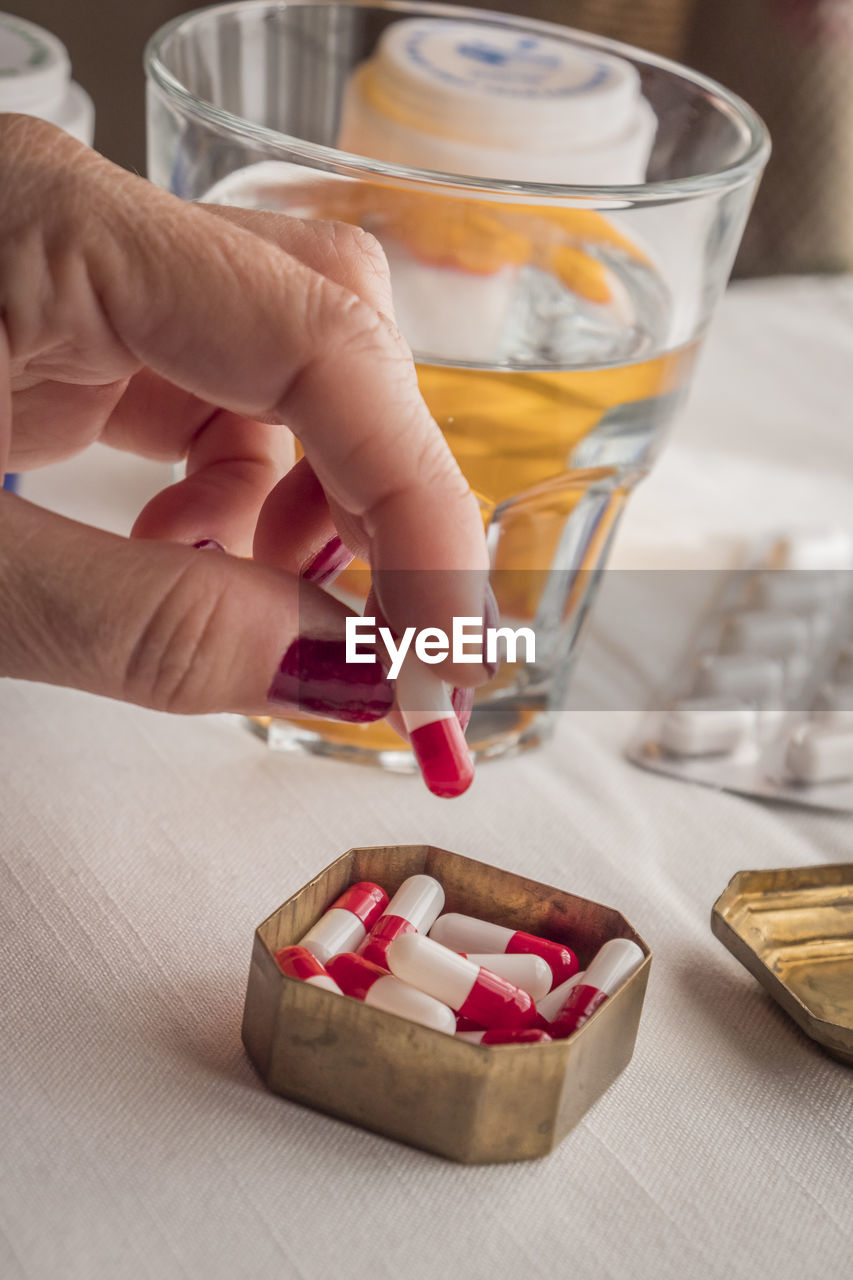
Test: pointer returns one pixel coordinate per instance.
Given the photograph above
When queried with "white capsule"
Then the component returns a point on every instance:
(820, 753)
(814, 549)
(834, 705)
(423, 963)
(418, 900)
(612, 964)
(751, 677)
(336, 931)
(466, 933)
(551, 1005)
(393, 996)
(706, 726)
(772, 633)
(528, 972)
(794, 590)
(485, 997)
(344, 926)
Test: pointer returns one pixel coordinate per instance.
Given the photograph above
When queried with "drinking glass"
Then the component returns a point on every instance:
(554, 324)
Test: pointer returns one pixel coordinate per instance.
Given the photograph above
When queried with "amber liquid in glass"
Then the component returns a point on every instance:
(551, 456)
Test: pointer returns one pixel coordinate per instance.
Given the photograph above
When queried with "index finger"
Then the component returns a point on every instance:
(234, 319)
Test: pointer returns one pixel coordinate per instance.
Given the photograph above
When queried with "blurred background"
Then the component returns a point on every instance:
(791, 59)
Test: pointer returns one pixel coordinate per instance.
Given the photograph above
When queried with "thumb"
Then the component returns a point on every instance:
(172, 628)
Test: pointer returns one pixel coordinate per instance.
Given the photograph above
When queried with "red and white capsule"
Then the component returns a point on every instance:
(413, 909)
(347, 922)
(531, 973)
(466, 933)
(615, 962)
(466, 1024)
(474, 992)
(551, 1004)
(435, 731)
(298, 962)
(366, 981)
(506, 1035)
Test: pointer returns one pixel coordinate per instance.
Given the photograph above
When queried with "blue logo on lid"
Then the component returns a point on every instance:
(483, 53)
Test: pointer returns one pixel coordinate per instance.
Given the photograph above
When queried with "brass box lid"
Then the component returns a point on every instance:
(472, 1103)
(793, 930)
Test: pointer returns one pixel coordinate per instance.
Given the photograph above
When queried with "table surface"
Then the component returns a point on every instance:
(139, 852)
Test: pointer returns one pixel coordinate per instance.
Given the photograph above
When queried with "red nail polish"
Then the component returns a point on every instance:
(329, 561)
(208, 544)
(314, 676)
(462, 701)
(442, 754)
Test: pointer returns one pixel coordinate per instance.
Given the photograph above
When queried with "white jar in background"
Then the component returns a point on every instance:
(35, 79)
(486, 101)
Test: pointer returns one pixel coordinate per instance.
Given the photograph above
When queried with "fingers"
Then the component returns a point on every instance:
(232, 464)
(102, 275)
(171, 628)
(338, 251)
(295, 530)
(232, 318)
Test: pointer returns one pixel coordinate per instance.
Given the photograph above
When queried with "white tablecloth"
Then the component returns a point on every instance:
(138, 853)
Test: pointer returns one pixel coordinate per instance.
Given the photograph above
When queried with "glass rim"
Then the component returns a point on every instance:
(668, 190)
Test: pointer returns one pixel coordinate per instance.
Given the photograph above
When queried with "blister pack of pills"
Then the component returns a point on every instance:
(763, 702)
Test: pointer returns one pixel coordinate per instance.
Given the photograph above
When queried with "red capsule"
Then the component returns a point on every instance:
(613, 963)
(506, 1035)
(298, 962)
(465, 1024)
(414, 907)
(376, 945)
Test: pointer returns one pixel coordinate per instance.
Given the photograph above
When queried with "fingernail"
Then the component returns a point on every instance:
(462, 701)
(314, 676)
(208, 544)
(329, 561)
(491, 618)
(434, 730)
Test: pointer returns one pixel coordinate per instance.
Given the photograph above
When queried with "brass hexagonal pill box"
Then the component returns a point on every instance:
(474, 1103)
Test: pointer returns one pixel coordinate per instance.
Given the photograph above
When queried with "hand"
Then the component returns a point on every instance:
(176, 330)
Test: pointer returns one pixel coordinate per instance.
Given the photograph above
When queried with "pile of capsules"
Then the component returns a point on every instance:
(764, 701)
(482, 982)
